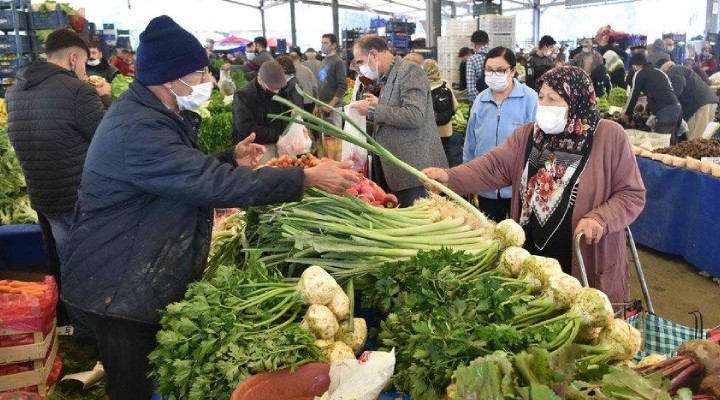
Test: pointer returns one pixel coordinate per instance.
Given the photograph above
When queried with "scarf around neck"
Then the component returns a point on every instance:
(555, 162)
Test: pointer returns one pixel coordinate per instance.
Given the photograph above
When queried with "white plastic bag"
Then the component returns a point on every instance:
(356, 154)
(360, 380)
(226, 85)
(295, 141)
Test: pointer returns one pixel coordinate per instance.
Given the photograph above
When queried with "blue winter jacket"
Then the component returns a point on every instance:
(145, 209)
(491, 123)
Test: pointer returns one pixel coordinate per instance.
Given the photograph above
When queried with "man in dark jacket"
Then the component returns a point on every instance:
(540, 61)
(98, 66)
(52, 116)
(698, 101)
(252, 104)
(661, 100)
(145, 213)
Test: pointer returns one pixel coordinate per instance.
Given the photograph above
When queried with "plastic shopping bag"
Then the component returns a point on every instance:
(294, 141)
(226, 85)
(360, 380)
(356, 154)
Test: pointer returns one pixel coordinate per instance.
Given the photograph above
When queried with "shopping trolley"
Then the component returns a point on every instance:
(660, 336)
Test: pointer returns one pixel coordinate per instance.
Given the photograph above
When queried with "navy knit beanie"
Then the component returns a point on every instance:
(167, 52)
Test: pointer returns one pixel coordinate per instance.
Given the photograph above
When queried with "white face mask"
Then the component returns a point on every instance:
(551, 119)
(670, 48)
(93, 63)
(250, 56)
(369, 73)
(547, 53)
(585, 50)
(199, 96)
(497, 83)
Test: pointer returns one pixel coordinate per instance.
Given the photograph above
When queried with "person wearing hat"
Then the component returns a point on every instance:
(252, 104)
(145, 213)
(587, 59)
(475, 72)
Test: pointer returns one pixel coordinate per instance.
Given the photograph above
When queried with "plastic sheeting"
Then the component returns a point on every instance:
(681, 214)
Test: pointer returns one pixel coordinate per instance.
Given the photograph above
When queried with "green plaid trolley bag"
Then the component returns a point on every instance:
(660, 336)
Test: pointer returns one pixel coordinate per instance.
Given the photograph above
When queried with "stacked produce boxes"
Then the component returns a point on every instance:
(457, 37)
(28, 342)
(500, 29)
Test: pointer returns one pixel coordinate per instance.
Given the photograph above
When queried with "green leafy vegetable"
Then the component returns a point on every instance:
(212, 339)
(215, 132)
(14, 200)
(120, 84)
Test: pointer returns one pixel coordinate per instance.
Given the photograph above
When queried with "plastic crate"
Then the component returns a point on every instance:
(18, 4)
(497, 23)
(15, 44)
(377, 23)
(13, 19)
(12, 66)
(53, 20)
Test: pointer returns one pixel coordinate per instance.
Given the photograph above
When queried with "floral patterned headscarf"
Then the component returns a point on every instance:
(556, 161)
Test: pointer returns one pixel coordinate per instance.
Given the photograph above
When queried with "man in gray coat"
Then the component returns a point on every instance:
(403, 115)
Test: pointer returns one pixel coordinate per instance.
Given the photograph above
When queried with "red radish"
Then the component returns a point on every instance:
(377, 203)
(378, 193)
(390, 201)
(368, 198)
(352, 191)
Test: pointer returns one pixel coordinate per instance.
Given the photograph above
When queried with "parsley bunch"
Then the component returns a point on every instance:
(209, 342)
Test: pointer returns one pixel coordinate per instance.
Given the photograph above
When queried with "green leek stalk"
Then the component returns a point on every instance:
(313, 122)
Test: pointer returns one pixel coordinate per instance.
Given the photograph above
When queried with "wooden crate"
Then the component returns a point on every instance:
(38, 376)
(35, 351)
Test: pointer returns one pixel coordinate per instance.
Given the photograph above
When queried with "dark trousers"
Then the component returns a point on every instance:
(668, 121)
(453, 146)
(124, 347)
(405, 197)
(496, 209)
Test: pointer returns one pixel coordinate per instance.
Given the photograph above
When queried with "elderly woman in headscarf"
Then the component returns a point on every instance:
(439, 87)
(571, 173)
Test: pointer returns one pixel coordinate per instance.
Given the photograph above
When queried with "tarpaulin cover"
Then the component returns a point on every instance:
(681, 214)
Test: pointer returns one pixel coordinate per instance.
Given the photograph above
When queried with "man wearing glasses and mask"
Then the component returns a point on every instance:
(145, 212)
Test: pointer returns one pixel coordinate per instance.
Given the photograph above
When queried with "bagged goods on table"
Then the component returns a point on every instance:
(295, 141)
(362, 379)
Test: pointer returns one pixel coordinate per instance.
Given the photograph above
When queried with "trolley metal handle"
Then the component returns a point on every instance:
(636, 261)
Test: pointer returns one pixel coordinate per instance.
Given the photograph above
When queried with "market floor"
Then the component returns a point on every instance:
(676, 288)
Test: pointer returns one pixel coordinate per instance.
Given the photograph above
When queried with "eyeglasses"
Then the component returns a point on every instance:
(499, 72)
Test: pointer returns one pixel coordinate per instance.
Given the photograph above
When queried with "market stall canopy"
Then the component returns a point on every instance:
(233, 40)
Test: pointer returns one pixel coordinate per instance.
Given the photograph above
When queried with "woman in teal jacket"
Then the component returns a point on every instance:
(496, 113)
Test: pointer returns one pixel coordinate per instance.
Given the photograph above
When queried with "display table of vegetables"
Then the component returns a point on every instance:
(688, 154)
(14, 200)
(470, 314)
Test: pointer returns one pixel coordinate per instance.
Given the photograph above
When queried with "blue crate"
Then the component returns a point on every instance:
(15, 44)
(21, 245)
(18, 4)
(377, 23)
(53, 20)
(12, 66)
(13, 19)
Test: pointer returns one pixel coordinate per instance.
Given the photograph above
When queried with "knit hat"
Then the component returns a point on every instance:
(167, 52)
(272, 74)
(432, 70)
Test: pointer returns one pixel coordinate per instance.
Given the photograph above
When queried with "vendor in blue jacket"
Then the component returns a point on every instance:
(145, 211)
(495, 114)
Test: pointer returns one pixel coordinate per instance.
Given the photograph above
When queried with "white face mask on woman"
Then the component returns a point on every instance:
(497, 83)
(551, 119)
